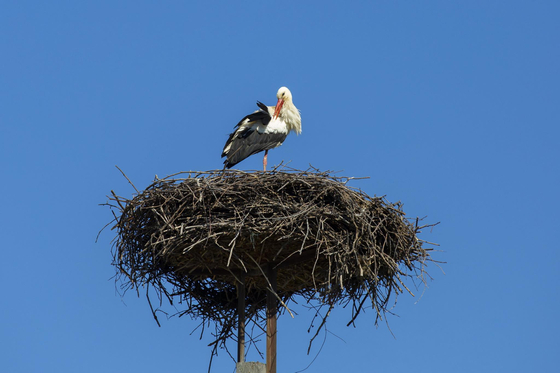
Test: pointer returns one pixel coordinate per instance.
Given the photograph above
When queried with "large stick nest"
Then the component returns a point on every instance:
(194, 237)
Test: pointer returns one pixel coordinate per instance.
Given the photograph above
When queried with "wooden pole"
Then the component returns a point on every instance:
(241, 321)
(271, 315)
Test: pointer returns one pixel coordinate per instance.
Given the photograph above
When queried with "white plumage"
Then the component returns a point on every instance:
(265, 129)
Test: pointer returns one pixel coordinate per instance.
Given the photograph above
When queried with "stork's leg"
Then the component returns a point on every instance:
(264, 159)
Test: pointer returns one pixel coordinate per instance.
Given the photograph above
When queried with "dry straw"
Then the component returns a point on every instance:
(192, 237)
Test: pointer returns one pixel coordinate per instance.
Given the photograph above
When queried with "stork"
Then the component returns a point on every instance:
(265, 129)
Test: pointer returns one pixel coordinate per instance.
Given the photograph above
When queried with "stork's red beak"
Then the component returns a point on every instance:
(278, 108)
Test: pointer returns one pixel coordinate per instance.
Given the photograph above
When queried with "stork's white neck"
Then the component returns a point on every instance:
(290, 115)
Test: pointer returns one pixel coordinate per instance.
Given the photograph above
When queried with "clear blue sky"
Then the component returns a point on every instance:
(450, 107)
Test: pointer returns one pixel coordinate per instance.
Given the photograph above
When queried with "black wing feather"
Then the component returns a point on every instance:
(245, 142)
(252, 143)
(262, 106)
(263, 115)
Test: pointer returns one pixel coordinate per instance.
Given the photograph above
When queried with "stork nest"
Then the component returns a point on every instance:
(194, 237)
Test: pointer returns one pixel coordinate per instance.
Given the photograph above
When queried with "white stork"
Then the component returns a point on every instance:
(265, 129)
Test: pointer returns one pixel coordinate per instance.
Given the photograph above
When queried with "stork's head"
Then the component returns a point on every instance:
(283, 95)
